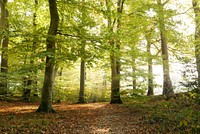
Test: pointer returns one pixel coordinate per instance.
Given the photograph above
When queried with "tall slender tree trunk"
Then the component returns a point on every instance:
(82, 75)
(196, 8)
(114, 84)
(134, 82)
(82, 82)
(167, 84)
(4, 27)
(115, 59)
(115, 80)
(150, 68)
(30, 82)
(115, 87)
(82, 66)
(46, 100)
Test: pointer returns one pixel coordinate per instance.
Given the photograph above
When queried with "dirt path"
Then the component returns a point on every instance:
(95, 118)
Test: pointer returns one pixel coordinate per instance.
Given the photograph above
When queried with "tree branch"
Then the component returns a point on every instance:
(82, 37)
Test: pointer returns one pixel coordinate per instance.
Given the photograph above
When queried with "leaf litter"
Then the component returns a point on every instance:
(93, 118)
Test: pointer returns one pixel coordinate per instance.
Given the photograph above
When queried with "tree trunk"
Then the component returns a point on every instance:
(46, 100)
(134, 73)
(115, 59)
(150, 69)
(82, 82)
(82, 67)
(167, 84)
(4, 26)
(196, 9)
(115, 81)
(27, 90)
(29, 83)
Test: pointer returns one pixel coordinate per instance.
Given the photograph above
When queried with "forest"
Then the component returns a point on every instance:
(100, 66)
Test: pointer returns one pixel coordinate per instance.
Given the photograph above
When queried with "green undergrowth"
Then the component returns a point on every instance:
(180, 114)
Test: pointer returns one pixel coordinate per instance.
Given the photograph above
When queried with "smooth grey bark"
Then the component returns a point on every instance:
(4, 40)
(82, 66)
(82, 83)
(196, 8)
(134, 82)
(150, 66)
(167, 84)
(115, 80)
(46, 100)
(115, 57)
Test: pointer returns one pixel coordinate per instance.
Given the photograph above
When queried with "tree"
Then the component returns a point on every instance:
(4, 28)
(167, 84)
(133, 73)
(30, 80)
(82, 82)
(82, 67)
(196, 8)
(46, 100)
(150, 62)
(114, 54)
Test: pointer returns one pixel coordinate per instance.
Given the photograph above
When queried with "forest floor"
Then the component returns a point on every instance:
(138, 116)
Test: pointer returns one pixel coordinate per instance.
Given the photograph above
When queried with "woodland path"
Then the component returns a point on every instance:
(93, 118)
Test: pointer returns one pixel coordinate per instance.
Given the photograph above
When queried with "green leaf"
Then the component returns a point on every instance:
(183, 123)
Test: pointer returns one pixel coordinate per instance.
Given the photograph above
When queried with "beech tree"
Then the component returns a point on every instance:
(167, 84)
(115, 51)
(29, 82)
(82, 66)
(46, 100)
(148, 37)
(4, 29)
(196, 8)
